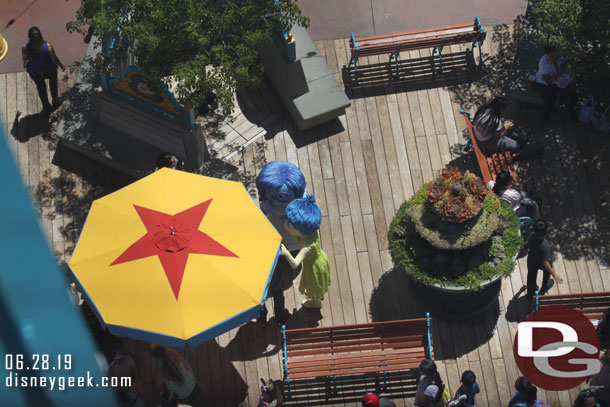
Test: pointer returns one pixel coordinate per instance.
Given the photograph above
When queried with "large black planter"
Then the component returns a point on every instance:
(456, 303)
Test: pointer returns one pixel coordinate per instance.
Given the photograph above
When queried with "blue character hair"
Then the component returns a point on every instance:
(304, 215)
(280, 175)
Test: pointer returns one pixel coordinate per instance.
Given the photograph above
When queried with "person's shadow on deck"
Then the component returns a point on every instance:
(518, 307)
(252, 341)
(29, 126)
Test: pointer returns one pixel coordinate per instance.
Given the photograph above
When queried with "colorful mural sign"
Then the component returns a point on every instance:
(135, 84)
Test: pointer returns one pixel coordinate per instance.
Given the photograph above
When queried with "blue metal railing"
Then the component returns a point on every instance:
(429, 338)
(286, 360)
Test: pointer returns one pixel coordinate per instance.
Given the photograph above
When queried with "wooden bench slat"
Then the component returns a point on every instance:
(380, 363)
(325, 331)
(604, 294)
(320, 345)
(356, 348)
(391, 353)
(344, 336)
(469, 25)
(422, 39)
(592, 305)
(398, 323)
(364, 361)
(575, 301)
(388, 368)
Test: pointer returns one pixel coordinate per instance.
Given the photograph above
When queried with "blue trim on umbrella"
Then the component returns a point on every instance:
(172, 341)
(82, 290)
(277, 256)
(179, 343)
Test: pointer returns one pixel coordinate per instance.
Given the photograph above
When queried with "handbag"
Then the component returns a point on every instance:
(587, 110)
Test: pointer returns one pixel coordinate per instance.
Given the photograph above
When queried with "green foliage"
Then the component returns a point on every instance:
(206, 45)
(468, 267)
(452, 235)
(580, 28)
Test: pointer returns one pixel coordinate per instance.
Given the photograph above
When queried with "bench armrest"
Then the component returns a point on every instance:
(285, 354)
(430, 352)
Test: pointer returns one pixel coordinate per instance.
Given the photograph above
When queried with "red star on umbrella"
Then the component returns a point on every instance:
(172, 238)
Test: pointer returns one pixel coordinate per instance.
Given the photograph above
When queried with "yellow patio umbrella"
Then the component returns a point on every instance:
(175, 258)
(3, 47)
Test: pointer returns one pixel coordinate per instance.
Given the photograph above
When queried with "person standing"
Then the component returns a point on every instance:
(465, 394)
(171, 372)
(41, 63)
(526, 394)
(539, 258)
(430, 387)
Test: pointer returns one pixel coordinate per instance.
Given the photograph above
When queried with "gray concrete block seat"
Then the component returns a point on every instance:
(306, 86)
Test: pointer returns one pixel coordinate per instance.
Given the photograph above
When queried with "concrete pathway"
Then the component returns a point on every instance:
(332, 19)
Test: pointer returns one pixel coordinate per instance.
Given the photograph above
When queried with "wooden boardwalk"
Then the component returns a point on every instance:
(394, 137)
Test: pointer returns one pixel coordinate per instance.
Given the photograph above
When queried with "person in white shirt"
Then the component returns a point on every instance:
(553, 80)
(520, 201)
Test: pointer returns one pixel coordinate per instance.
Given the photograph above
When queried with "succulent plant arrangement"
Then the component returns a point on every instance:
(454, 232)
(455, 196)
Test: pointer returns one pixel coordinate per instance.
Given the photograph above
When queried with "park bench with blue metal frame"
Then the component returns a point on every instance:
(435, 38)
(377, 347)
(592, 305)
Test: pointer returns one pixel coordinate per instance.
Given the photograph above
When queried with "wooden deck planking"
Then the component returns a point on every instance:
(391, 144)
(316, 180)
(11, 111)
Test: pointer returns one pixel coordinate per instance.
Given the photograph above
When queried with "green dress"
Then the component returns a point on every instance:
(315, 275)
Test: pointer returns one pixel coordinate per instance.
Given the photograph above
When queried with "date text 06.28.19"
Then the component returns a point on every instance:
(38, 361)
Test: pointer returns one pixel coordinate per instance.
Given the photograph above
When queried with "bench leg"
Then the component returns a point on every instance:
(327, 382)
(395, 55)
(385, 382)
(377, 386)
(355, 62)
(439, 49)
(335, 392)
(288, 395)
(440, 58)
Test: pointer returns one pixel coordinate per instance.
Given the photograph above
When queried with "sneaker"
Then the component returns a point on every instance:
(309, 303)
(548, 287)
